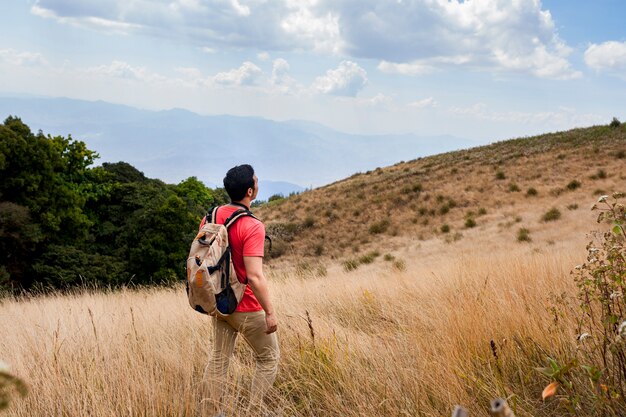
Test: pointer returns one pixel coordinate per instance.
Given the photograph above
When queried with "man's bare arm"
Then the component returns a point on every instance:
(258, 283)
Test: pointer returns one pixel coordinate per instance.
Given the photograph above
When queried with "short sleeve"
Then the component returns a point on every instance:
(254, 240)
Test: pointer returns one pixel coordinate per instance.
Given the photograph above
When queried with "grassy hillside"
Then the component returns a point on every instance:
(509, 190)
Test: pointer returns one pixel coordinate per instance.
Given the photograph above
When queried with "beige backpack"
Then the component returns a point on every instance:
(212, 284)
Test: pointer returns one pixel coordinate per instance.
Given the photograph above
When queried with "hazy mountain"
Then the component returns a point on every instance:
(175, 144)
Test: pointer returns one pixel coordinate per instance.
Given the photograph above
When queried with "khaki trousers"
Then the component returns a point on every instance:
(266, 353)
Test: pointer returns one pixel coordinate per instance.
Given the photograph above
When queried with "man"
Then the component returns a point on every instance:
(254, 317)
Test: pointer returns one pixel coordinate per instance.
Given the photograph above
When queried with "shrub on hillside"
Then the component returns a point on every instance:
(531, 192)
(308, 222)
(276, 198)
(470, 222)
(379, 227)
(445, 228)
(615, 122)
(601, 174)
(574, 184)
(513, 188)
(523, 235)
(500, 175)
(551, 215)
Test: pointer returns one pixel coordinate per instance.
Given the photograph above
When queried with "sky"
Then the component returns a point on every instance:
(481, 69)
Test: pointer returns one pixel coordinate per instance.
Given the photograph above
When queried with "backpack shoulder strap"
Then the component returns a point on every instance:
(236, 216)
(211, 215)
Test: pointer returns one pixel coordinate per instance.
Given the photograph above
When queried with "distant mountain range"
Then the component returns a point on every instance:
(175, 144)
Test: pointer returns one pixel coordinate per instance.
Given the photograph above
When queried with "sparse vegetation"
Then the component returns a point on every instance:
(500, 175)
(572, 206)
(445, 228)
(600, 174)
(551, 215)
(513, 188)
(379, 227)
(531, 192)
(615, 123)
(368, 258)
(470, 222)
(573, 185)
(523, 235)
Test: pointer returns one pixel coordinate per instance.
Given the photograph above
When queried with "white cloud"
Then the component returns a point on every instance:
(263, 56)
(347, 80)
(120, 69)
(411, 68)
(280, 71)
(426, 102)
(408, 37)
(246, 74)
(22, 59)
(91, 21)
(379, 100)
(608, 56)
(311, 26)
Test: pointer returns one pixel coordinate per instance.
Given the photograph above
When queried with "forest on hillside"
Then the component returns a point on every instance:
(66, 222)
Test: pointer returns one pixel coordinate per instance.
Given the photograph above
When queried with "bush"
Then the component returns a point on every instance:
(572, 206)
(620, 154)
(389, 257)
(445, 228)
(531, 192)
(594, 378)
(513, 188)
(470, 222)
(551, 215)
(601, 174)
(276, 197)
(399, 265)
(523, 235)
(615, 122)
(350, 265)
(574, 184)
(482, 211)
(308, 222)
(379, 227)
(500, 175)
(369, 257)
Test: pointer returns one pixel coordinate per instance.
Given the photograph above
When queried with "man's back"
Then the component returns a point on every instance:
(246, 238)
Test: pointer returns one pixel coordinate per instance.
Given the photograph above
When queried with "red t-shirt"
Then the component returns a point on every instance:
(246, 238)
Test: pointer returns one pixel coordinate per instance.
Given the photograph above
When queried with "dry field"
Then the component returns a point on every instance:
(380, 341)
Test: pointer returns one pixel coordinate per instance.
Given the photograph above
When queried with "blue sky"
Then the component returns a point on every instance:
(480, 69)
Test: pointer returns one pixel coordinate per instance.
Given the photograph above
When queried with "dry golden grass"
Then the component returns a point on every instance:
(385, 342)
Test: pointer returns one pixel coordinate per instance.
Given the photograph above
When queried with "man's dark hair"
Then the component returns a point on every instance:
(237, 181)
